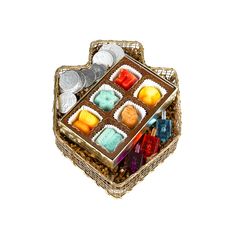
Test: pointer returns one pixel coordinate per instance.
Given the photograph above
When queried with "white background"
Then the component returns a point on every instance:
(192, 193)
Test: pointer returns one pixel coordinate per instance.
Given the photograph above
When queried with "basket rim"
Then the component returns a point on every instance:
(118, 185)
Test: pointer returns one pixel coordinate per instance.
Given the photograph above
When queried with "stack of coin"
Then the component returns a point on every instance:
(92, 74)
(108, 55)
(99, 70)
(116, 51)
(73, 81)
(70, 83)
(90, 77)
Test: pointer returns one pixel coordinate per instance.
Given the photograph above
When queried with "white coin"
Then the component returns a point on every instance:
(99, 70)
(104, 58)
(69, 81)
(112, 53)
(90, 77)
(82, 82)
(66, 101)
(115, 49)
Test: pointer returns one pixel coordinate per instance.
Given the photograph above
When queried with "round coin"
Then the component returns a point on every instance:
(66, 101)
(83, 80)
(90, 77)
(112, 53)
(104, 58)
(69, 81)
(115, 49)
(99, 70)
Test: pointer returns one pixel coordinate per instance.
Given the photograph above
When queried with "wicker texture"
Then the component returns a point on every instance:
(83, 159)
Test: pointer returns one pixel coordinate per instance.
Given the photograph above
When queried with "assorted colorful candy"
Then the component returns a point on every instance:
(149, 95)
(109, 139)
(130, 116)
(123, 101)
(126, 79)
(86, 122)
(106, 100)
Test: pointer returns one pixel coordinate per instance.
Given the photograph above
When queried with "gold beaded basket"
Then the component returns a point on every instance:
(117, 182)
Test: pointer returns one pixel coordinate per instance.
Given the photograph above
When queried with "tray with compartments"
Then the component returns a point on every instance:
(111, 118)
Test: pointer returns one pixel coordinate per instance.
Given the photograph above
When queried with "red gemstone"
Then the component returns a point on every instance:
(125, 79)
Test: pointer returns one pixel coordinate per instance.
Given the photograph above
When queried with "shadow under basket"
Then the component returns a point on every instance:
(117, 182)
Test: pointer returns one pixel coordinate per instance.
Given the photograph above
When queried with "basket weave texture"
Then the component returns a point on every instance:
(115, 183)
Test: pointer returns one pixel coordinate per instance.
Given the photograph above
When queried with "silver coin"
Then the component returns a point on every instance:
(83, 79)
(90, 77)
(99, 70)
(66, 101)
(115, 49)
(112, 53)
(104, 58)
(70, 81)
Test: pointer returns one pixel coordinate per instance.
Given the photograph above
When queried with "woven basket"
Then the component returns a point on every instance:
(86, 161)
